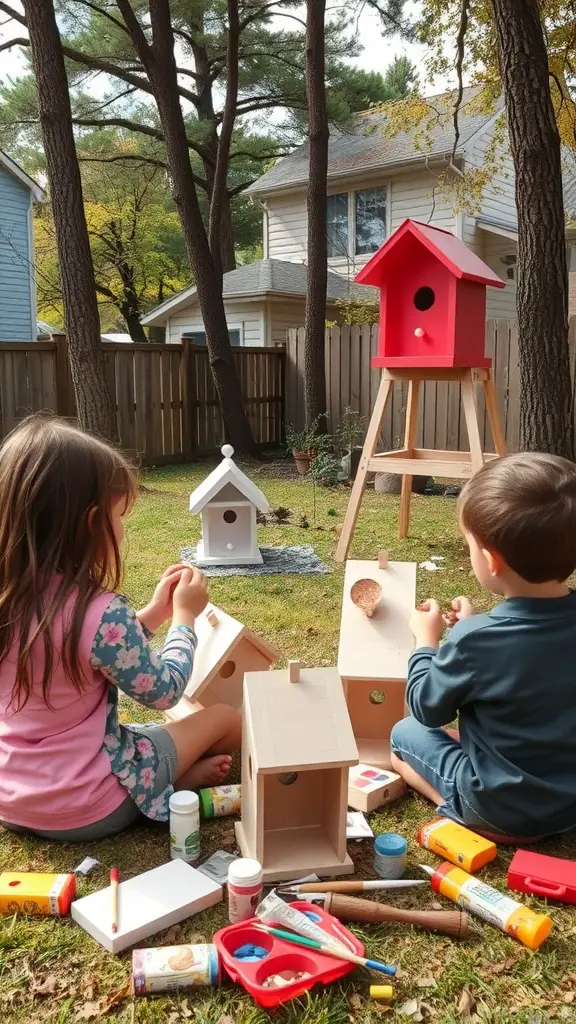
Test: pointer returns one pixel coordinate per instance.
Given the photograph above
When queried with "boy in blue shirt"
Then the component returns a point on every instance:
(509, 675)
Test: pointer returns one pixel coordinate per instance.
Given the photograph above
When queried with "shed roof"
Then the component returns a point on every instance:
(227, 473)
(18, 172)
(446, 247)
(295, 726)
(265, 277)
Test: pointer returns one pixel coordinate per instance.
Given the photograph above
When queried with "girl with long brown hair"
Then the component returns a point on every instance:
(68, 642)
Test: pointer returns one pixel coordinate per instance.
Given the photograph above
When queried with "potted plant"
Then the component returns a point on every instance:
(350, 432)
(304, 444)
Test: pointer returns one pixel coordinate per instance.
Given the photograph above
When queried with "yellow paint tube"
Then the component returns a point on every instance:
(490, 905)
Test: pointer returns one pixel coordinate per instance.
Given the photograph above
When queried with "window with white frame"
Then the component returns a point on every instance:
(356, 222)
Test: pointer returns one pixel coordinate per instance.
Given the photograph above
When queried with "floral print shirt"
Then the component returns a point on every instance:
(122, 653)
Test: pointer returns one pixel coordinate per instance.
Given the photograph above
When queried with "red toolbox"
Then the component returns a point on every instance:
(549, 877)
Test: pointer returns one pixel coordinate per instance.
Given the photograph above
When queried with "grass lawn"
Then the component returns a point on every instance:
(51, 970)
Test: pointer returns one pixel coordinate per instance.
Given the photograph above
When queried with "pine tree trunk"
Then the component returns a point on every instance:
(160, 65)
(227, 250)
(95, 408)
(318, 135)
(546, 413)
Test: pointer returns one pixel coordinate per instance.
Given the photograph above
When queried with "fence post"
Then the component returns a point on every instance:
(63, 403)
(188, 394)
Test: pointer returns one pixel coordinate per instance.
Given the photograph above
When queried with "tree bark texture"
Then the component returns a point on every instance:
(546, 408)
(318, 135)
(96, 409)
(160, 64)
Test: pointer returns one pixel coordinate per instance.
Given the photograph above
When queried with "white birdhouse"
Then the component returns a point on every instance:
(227, 501)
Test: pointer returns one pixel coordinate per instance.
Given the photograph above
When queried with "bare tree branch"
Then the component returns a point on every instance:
(133, 158)
(460, 44)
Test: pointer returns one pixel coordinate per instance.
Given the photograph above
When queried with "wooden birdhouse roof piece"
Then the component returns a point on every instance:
(451, 252)
(294, 726)
(238, 486)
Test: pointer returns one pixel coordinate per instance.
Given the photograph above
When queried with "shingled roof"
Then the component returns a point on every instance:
(266, 277)
(368, 147)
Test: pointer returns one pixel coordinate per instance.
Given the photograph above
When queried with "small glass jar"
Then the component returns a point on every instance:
(390, 855)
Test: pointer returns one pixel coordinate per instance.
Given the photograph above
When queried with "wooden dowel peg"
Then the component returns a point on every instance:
(212, 617)
(382, 559)
(294, 671)
(349, 908)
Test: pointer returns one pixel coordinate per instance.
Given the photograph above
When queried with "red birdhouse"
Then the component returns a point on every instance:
(432, 299)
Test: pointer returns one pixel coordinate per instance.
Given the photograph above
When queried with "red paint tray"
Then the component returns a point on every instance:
(283, 956)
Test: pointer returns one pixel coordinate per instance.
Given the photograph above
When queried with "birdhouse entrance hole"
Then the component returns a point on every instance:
(230, 516)
(228, 669)
(424, 298)
(377, 697)
(287, 778)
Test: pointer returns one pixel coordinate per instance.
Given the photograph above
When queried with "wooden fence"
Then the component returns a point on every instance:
(166, 404)
(350, 381)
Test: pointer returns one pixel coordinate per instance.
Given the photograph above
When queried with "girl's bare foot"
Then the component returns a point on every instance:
(208, 771)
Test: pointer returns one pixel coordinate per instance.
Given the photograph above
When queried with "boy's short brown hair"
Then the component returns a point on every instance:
(524, 507)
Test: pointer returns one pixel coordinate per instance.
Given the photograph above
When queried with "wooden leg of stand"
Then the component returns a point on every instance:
(471, 418)
(494, 417)
(409, 443)
(370, 443)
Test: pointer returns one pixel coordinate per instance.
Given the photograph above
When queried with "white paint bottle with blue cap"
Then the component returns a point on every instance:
(390, 851)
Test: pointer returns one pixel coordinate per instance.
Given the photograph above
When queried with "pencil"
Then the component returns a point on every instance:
(114, 879)
(300, 940)
(348, 887)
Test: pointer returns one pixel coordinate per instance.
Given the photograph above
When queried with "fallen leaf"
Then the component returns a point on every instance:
(356, 1002)
(466, 1003)
(504, 965)
(172, 934)
(185, 1010)
(437, 906)
(46, 987)
(229, 840)
(226, 1019)
(94, 1009)
(410, 1007)
(426, 982)
(173, 1018)
(568, 997)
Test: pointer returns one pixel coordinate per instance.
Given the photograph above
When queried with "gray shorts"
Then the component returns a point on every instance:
(127, 813)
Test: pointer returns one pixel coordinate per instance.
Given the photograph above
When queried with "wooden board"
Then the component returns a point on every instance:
(377, 648)
(298, 725)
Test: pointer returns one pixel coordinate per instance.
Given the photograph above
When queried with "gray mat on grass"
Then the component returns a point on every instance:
(300, 561)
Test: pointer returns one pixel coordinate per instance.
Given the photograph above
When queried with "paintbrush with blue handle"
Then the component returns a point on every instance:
(300, 940)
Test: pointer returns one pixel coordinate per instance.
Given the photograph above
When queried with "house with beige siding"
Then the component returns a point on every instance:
(375, 181)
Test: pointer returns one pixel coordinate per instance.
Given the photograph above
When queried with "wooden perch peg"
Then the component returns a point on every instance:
(366, 595)
(212, 617)
(382, 559)
(349, 908)
(294, 671)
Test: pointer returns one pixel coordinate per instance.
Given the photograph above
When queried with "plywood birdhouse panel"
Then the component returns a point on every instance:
(297, 747)
(373, 653)
(432, 299)
(226, 650)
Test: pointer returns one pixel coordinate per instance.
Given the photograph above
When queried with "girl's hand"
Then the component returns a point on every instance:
(462, 608)
(427, 624)
(159, 609)
(190, 597)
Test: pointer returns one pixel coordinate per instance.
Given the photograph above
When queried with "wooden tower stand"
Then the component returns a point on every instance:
(410, 461)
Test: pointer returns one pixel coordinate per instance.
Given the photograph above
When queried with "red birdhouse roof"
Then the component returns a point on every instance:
(449, 250)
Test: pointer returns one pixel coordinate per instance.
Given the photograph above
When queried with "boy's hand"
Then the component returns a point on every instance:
(190, 597)
(159, 609)
(427, 624)
(462, 608)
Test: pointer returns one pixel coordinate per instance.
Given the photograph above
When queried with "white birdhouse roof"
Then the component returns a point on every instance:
(227, 473)
(295, 726)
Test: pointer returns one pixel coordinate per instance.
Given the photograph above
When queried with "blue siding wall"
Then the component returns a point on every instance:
(16, 315)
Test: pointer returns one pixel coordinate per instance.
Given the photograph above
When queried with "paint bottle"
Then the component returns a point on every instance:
(390, 855)
(457, 844)
(185, 826)
(244, 889)
(164, 968)
(220, 801)
(490, 905)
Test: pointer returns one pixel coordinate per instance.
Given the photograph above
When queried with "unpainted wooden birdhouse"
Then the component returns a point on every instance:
(373, 652)
(297, 747)
(227, 501)
(432, 299)
(226, 650)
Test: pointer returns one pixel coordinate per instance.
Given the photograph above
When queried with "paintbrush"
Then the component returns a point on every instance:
(349, 887)
(352, 958)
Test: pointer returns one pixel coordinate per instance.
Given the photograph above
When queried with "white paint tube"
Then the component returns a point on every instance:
(273, 911)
